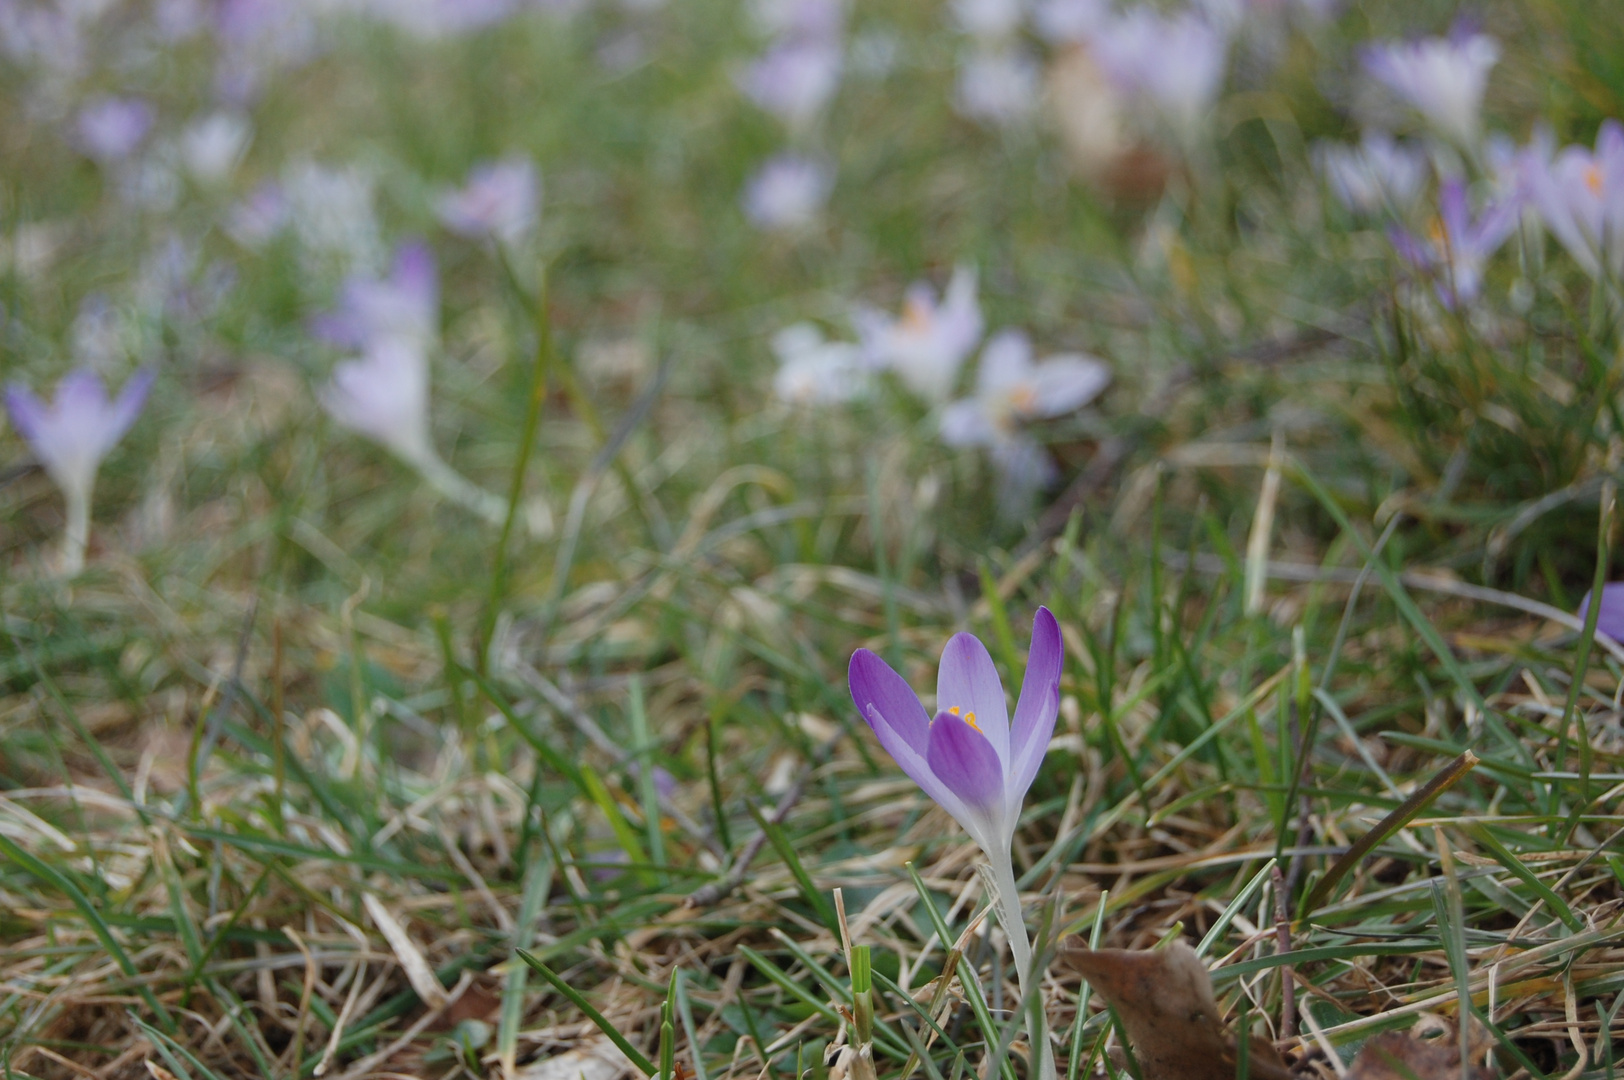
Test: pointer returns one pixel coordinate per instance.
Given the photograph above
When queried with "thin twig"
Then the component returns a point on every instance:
(1307, 572)
(567, 707)
(1282, 945)
(717, 891)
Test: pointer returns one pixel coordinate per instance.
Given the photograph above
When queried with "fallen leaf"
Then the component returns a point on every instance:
(1405, 1055)
(599, 1060)
(1164, 997)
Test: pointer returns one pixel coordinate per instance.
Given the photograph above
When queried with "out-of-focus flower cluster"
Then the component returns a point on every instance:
(1484, 185)
(925, 348)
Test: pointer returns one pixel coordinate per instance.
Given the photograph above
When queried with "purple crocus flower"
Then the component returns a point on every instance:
(1069, 21)
(1380, 174)
(970, 758)
(1610, 620)
(931, 340)
(1580, 196)
(404, 307)
(1443, 79)
(499, 200)
(822, 19)
(111, 128)
(1456, 247)
(787, 192)
(795, 78)
(1174, 63)
(71, 435)
(259, 217)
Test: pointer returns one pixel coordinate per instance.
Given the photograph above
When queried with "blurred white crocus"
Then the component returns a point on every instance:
(1380, 174)
(70, 437)
(991, 21)
(1443, 79)
(787, 193)
(815, 371)
(930, 341)
(1175, 64)
(500, 200)
(997, 85)
(1013, 388)
(212, 148)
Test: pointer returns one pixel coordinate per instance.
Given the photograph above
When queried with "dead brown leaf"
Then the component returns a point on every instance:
(1164, 997)
(1406, 1055)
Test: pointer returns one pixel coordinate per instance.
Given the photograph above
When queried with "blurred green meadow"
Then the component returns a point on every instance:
(319, 736)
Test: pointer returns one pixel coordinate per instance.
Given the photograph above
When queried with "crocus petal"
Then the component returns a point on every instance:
(918, 769)
(127, 406)
(964, 760)
(1064, 383)
(1037, 708)
(875, 685)
(967, 685)
(1610, 620)
(1006, 362)
(27, 413)
(965, 423)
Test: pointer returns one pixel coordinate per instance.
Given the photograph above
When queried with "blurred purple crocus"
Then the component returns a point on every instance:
(968, 756)
(71, 435)
(1610, 620)
(405, 306)
(384, 395)
(110, 129)
(500, 200)
(1456, 247)
(795, 78)
(1442, 78)
(1174, 63)
(1380, 174)
(787, 193)
(929, 342)
(1580, 196)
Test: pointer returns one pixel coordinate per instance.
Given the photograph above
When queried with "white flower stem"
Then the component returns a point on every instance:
(1020, 946)
(76, 534)
(470, 496)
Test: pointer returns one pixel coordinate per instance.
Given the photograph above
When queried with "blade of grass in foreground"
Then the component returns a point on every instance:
(53, 877)
(1448, 778)
(644, 1064)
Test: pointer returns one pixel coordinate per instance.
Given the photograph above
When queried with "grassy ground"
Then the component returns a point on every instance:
(304, 756)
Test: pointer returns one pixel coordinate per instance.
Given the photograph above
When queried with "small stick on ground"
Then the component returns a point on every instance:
(1282, 945)
(716, 891)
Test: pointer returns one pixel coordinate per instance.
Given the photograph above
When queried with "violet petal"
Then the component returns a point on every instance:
(1038, 706)
(967, 685)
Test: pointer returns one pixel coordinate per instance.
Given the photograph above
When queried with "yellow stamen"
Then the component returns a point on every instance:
(916, 317)
(1593, 179)
(969, 718)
